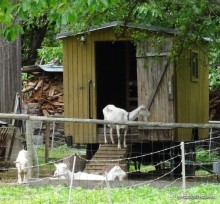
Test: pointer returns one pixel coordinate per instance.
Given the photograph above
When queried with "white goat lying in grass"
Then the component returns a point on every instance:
(64, 172)
(118, 115)
(21, 165)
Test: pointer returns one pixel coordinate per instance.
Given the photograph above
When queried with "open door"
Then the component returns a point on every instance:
(116, 75)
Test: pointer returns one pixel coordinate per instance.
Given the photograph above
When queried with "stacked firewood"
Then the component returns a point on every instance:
(47, 91)
(214, 104)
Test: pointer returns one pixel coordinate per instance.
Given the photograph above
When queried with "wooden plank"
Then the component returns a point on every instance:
(30, 148)
(10, 63)
(76, 88)
(11, 136)
(156, 86)
(39, 84)
(51, 91)
(92, 128)
(65, 82)
(16, 105)
(45, 87)
(47, 142)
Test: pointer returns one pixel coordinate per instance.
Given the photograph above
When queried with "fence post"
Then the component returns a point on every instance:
(182, 146)
(108, 188)
(47, 141)
(52, 142)
(210, 141)
(30, 149)
(71, 181)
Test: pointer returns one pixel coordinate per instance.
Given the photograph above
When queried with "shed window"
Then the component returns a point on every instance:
(194, 66)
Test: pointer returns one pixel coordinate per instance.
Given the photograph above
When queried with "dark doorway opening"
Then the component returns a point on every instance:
(116, 75)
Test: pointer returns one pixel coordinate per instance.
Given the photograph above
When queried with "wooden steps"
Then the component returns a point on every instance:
(106, 157)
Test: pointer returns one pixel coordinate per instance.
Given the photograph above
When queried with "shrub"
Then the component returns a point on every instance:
(206, 156)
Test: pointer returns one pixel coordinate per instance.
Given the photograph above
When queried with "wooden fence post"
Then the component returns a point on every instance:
(30, 148)
(47, 141)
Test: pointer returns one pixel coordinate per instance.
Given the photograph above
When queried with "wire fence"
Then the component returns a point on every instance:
(178, 168)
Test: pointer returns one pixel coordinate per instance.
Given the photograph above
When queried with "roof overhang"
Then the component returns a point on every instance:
(116, 23)
(41, 68)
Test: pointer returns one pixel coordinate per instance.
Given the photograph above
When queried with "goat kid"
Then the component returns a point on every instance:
(63, 172)
(118, 115)
(21, 165)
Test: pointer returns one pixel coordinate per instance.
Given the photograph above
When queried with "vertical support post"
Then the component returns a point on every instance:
(30, 149)
(52, 142)
(71, 181)
(183, 170)
(47, 141)
(108, 187)
(210, 141)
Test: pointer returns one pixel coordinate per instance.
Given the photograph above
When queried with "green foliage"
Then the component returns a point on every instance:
(203, 193)
(214, 77)
(55, 153)
(59, 12)
(194, 20)
(202, 22)
(26, 76)
(204, 156)
(214, 68)
(50, 53)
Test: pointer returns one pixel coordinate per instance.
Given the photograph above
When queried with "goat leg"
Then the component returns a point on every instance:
(125, 133)
(105, 133)
(25, 177)
(118, 133)
(19, 177)
(111, 129)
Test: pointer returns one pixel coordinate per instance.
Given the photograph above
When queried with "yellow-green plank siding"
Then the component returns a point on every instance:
(192, 98)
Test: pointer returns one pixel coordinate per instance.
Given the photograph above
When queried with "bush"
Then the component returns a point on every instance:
(206, 156)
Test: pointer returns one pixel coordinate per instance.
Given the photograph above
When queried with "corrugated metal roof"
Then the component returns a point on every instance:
(51, 68)
(39, 68)
(116, 23)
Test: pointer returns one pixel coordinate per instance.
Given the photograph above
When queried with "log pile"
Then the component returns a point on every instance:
(47, 91)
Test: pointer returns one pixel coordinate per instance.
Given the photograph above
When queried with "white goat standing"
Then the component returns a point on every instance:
(21, 165)
(118, 115)
(63, 172)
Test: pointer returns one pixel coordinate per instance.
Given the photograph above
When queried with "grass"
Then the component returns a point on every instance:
(144, 168)
(56, 153)
(14, 194)
(203, 194)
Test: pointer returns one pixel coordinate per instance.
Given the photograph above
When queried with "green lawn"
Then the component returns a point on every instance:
(206, 193)
(15, 194)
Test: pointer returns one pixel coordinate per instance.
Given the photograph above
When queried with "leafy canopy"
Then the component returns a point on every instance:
(199, 18)
(195, 20)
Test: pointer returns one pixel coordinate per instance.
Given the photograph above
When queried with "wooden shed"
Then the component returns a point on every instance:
(102, 68)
